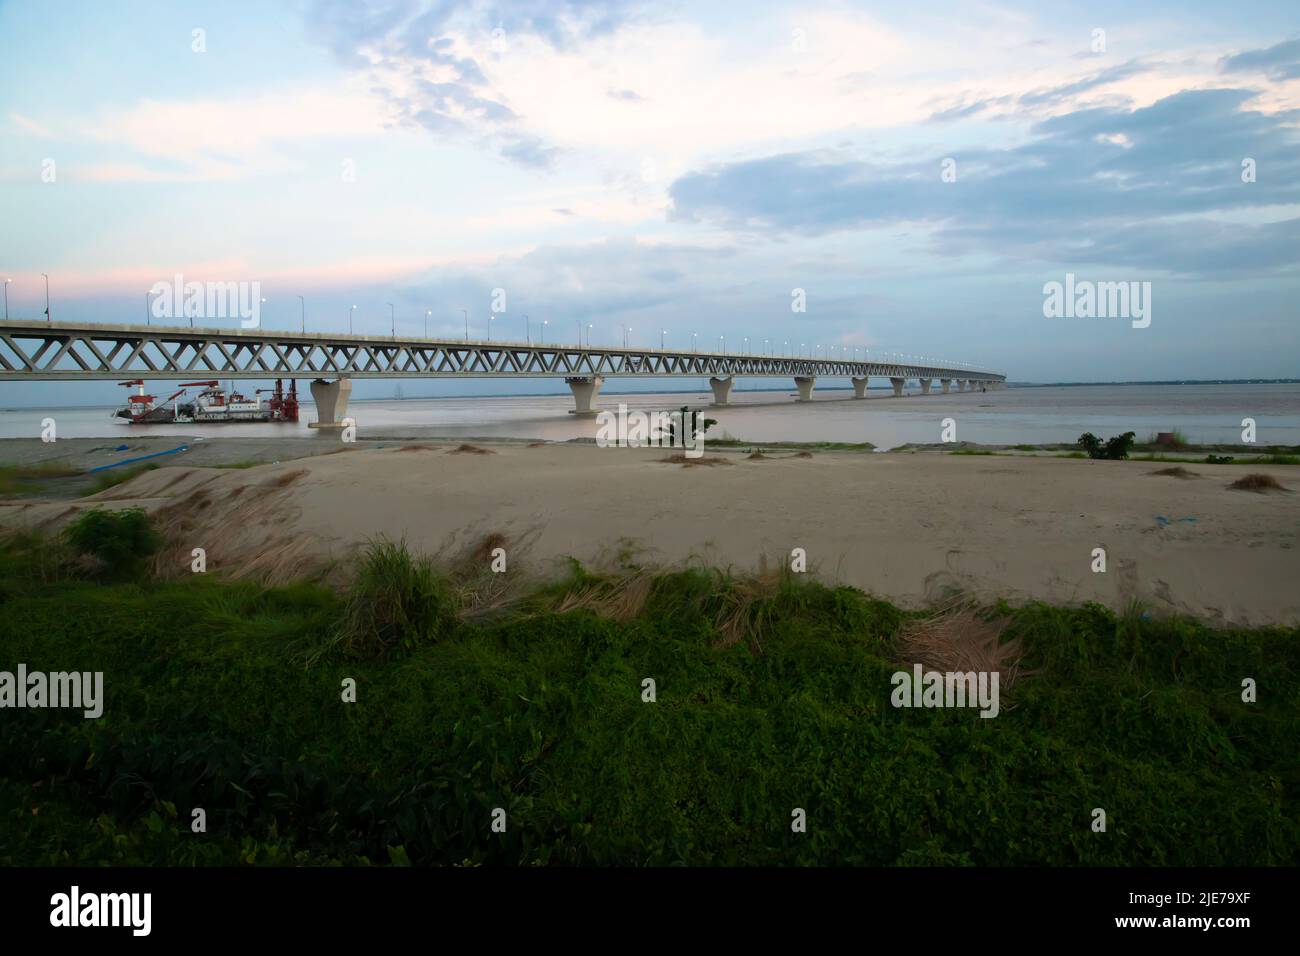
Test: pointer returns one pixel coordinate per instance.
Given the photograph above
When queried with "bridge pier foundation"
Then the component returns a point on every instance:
(859, 386)
(586, 389)
(805, 385)
(722, 389)
(961, 385)
(925, 385)
(945, 382)
(898, 386)
(331, 400)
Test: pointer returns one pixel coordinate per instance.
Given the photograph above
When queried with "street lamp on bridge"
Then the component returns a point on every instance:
(47, 297)
(392, 315)
(351, 312)
(301, 302)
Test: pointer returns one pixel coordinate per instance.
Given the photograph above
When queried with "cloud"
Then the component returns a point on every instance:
(1096, 185)
(214, 140)
(1278, 62)
(29, 126)
(430, 62)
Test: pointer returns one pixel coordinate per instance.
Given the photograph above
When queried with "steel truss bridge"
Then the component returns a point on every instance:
(62, 351)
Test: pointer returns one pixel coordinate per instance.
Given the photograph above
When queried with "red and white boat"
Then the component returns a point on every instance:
(212, 404)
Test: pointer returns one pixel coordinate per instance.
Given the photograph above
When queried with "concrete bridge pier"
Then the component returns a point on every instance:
(331, 400)
(586, 389)
(722, 389)
(961, 385)
(898, 386)
(859, 386)
(945, 382)
(805, 385)
(925, 385)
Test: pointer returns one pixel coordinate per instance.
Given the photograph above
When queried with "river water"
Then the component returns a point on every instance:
(1203, 413)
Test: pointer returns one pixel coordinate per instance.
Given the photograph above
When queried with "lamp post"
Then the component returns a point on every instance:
(148, 298)
(7, 281)
(392, 315)
(427, 313)
(542, 332)
(351, 311)
(302, 304)
(695, 345)
(47, 297)
(527, 332)
(588, 335)
(466, 311)
(662, 333)
(746, 348)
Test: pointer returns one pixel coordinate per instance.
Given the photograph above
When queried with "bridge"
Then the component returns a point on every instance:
(64, 351)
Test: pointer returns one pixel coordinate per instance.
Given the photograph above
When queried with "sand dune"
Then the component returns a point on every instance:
(905, 526)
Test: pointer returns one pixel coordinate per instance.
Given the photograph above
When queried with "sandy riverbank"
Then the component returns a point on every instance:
(906, 526)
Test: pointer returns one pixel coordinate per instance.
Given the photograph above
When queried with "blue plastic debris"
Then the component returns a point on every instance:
(131, 461)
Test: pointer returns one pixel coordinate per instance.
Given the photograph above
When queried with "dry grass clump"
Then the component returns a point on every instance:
(708, 460)
(1256, 482)
(802, 454)
(618, 598)
(467, 449)
(477, 588)
(284, 479)
(415, 448)
(756, 456)
(747, 609)
(1178, 471)
(959, 639)
(537, 444)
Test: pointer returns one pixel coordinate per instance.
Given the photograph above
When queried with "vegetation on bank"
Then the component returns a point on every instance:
(475, 692)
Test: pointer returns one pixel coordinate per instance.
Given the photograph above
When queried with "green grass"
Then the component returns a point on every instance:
(1255, 460)
(240, 464)
(117, 476)
(226, 696)
(20, 479)
(976, 451)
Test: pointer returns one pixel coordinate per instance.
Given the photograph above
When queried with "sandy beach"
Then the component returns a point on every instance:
(911, 527)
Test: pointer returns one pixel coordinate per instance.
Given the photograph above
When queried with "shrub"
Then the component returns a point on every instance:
(396, 600)
(116, 539)
(1115, 448)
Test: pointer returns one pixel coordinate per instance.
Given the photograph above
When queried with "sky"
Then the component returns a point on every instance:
(914, 174)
